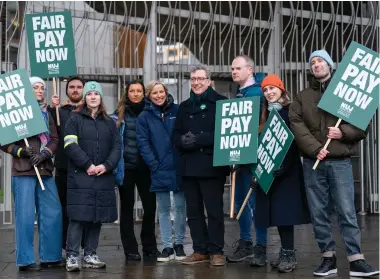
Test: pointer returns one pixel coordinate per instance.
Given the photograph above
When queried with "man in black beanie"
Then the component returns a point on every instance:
(74, 90)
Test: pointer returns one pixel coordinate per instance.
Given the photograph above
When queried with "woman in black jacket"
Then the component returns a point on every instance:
(132, 171)
(93, 147)
(285, 205)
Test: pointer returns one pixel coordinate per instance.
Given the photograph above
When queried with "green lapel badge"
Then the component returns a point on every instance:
(203, 106)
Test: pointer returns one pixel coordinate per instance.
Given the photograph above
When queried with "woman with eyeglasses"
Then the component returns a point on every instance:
(29, 196)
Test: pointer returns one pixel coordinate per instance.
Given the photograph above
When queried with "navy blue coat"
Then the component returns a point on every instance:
(286, 202)
(91, 198)
(153, 131)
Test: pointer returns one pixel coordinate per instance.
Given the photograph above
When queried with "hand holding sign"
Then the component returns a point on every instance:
(353, 93)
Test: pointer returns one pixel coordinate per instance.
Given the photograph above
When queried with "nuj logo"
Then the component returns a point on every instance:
(345, 109)
(21, 130)
(234, 155)
(53, 68)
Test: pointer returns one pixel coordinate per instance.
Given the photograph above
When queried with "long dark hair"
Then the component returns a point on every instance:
(123, 100)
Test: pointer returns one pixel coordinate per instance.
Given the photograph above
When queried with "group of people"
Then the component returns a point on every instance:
(163, 148)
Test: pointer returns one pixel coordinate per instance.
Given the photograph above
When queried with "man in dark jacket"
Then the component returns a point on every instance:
(74, 91)
(250, 86)
(333, 175)
(202, 183)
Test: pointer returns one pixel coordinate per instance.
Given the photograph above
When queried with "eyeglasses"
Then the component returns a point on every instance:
(199, 79)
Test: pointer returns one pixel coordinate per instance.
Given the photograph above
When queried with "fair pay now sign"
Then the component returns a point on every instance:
(20, 114)
(353, 93)
(236, 131)
(51, 44)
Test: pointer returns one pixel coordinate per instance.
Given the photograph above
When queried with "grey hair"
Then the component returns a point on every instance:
(203, 68)
(247, 59)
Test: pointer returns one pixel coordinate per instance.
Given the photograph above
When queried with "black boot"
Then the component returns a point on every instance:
(243, 251)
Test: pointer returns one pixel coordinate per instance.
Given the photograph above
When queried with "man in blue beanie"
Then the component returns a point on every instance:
(334, 176)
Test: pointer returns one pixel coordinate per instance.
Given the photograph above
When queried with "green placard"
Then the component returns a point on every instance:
(20, 114)
(274, 142)
(353, 93)
(236, 131)
(51, 44)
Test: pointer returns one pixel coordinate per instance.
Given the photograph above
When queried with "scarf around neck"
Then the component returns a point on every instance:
(44, 137)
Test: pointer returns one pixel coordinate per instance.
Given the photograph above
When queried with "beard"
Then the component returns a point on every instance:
(75, 98)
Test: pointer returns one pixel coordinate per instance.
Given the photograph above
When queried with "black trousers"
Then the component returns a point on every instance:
(141, 178)
(61, 182)
(200, 193)
(287, 237)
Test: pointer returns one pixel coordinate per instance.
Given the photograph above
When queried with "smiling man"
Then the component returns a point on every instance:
(202, 183)
(311, 127)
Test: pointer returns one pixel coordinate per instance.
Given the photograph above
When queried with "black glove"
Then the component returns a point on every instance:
(279, 172)
(39, 158)
(253, 184)
(234, 168)
(188, 140)
(27, 151)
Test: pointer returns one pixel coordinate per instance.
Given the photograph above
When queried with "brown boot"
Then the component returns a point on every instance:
(218, 260)
(196, 258)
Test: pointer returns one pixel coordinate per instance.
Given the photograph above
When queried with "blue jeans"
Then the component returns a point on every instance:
(163, 209)
(335, 178)
(86, 232)
(28, 195)
(243, 180)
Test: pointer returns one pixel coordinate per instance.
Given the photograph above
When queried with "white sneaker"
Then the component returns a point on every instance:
(72, 264)
(92, 261)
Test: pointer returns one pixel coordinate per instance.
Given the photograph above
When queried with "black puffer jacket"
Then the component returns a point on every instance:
(91, 198)
(131, 154)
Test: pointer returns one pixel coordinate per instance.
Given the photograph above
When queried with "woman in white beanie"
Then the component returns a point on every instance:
(29, 197)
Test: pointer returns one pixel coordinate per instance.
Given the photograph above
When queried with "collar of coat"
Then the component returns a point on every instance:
(212, 97)
(149, 106)
(320, 86)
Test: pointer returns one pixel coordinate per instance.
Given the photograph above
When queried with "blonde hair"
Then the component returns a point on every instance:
(151, 85)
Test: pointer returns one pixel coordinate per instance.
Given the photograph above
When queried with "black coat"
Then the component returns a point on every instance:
(198, 161)
(286, 202)
(61, 161)
(91, 198)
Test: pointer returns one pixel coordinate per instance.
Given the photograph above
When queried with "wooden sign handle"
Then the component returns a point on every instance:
(244, 203)
(35, 168)
(232, 201)
(57, 107)
(327, 143)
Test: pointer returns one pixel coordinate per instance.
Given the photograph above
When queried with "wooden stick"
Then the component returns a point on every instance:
(57, 107)
(35, 168)
(327, 143)
(232, 201)
(244, 203)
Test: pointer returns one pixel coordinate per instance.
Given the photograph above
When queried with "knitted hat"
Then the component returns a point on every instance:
(92, 86)
(71, 79)
(34, 80)
(324, 55)
(274, 80)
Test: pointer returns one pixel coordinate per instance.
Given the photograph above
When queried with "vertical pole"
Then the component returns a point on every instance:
(150, 53)
(362, 194)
